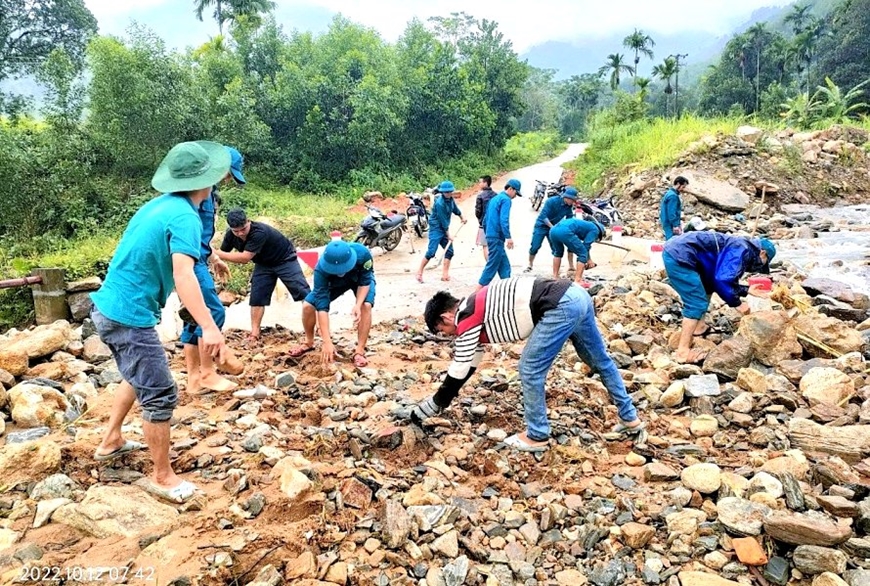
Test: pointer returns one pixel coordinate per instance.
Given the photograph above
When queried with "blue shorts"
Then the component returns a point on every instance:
(191, 333)
(336, 293)
(436, 240)
(264, 279)
(687, 283)
(562, 238)
(142, 362)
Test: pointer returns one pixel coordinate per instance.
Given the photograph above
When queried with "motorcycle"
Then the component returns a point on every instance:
(544, 190)
(417, 214)
(603, 210)
(379, 229)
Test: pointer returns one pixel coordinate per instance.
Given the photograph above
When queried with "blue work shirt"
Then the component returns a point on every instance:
(577, 235)
(555, 210)
(140, 276)
(207, 212)
(361, 275)
(719, 259)
(670, 209)
(498, 218)
(439, 217)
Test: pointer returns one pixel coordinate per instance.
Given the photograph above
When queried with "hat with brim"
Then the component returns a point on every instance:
(236, 162)
(768, 247)
(570, 193)
(338, 258)
(515, 183)
(191, 166)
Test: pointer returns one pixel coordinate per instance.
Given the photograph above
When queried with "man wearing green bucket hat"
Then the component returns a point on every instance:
(157, 253)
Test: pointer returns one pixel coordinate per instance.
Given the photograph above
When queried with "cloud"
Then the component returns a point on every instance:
(121, 8)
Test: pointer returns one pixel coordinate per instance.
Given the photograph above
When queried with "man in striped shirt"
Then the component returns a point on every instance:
(547, 313)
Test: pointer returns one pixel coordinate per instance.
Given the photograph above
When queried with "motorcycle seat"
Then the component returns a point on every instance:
(394, 220)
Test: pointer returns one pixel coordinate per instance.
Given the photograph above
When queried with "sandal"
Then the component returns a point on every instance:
(129, 446)
(516, 443)
(702, 332)
(300, 350)
(179, 494)
(622, 428)
(360, 361)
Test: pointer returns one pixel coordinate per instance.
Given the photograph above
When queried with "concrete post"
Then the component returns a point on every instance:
(49, 298)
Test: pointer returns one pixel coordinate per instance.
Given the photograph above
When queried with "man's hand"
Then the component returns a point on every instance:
(509, 244)
(327, 352)
(678, 230)
(463, 220)
(221, 271)
(356, 312)
(213, 342)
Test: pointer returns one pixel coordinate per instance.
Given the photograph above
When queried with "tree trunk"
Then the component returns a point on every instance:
(850, 442)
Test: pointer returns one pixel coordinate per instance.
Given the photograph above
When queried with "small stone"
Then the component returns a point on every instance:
(742, 517)
(571, 577)
(829, 579)
(703, 579)
(637, 535)
(704, 426)
(839, 506)
(674, 395)
(633, 459)
(749, 551)
(794, 496)
(497, 435)
(705, 478)
(658, 472)
(285, 380)
(798, 529)
(827, 386)
(777, 571)
(447, 545)
(715, 560)
(303, 566)
(396, 525)
(742, 403)
(812, 559)
(705, 385)
(764, 482)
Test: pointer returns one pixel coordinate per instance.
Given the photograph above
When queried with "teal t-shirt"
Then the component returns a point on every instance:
(140, 274)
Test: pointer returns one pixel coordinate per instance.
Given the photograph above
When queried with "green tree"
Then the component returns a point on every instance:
(541, 101)
(665, 71)
(844, 54)
(799, 17)
(639, 42)
(615, 66)
(835, 107)
(224, 11)
(757, 34)
(66, 93)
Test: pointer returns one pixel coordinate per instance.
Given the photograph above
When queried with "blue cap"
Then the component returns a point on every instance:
(338, 258)
(515, 183)
(570, 193)
(446, 187)
(236, 165)
(768, 247)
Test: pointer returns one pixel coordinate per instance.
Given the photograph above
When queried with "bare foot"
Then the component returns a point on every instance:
(215, 382)
(194, 382)
(445, 277)
(253, 338)
(419, 277)
(689, 356)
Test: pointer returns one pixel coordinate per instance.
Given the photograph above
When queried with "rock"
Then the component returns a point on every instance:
(455, 573)
(777, 571)
(829, 579)
(716, 193)
(7, 381)
(294, 484)
(285, 380)
(571, 577)
(794, 496)
(108, 511)
(634, 460)
(751, 380)
(793, 462)
(727, 358)
(95, 350)
(798, 529)
(674, 394)
(637, 535)
(685, 522)
(658, 472)
(702, 477)
(15, 362)
(396, 525)
(42, 340)
(337, 574)
(771, 336)
(640, 344)
(811, 559)
(742, 403)
(388, 438)
(750, 134)
(704, 579)
(706, 385)
(830, 287)
(79, 306)
(741, 516)
(54, 487)
(267, 576)
(857, 577)
(827, 386)
(839, 506)
(26, 462)
(35, 405)
(447, 545)
(716, 560)
(764, 482)
(44, 510)
(704, 426)
(84, 285)
(303, 566)
(355, 494)
(830, 332)
(749, 551)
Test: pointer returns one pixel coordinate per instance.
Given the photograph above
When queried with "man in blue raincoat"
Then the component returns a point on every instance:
(699, 264)
(439, 225)
(577, 236)
(555, 210)
(671, 208)
(498, 234)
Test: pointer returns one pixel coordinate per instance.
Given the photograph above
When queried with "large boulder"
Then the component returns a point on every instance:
(835, 289)
(772, 337)
(42, 340)
(830, 332)
(729, 357)
(35, 405)
(28, 462)
(107, 511)
(716, 193)
(826, 386)
(14, 361)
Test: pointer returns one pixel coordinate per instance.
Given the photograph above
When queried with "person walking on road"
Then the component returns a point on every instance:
(699, 264)
(157, 253)
(498, 233)
(547, 313)
(480, 204)
(439, 229)
(671, 208)
(577, 236)
(343, 267)
(555, 210)
(274, 257)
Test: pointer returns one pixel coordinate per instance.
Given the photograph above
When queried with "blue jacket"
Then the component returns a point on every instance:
(325, 285)
(719, 259)
(554, 210)
(439, 217)
(577, 235)
(670, 209)
(498, 218)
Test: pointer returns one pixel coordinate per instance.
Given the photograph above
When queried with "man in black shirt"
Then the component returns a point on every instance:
(480, 203)
(274, 257)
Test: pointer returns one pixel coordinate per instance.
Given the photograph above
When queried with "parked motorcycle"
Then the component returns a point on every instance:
(544, 190)
(603, 210)
(379, 229)
(417, 214)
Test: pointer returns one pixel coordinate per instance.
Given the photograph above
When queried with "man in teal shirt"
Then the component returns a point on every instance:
(439, 229)
(157, 253)
(671, 208)
(498, 234)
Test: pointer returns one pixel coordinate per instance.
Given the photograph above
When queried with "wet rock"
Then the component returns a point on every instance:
(727, 358)
(811, 559)
(827, 386)
(741, 516)
(28, 461)
(109, 511)
(706, 385)
(799, 529)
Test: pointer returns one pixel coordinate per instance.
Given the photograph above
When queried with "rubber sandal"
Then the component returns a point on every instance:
(516, 443)
(626, 430)
(705, 331)
(299, 351)
(179, 494)
(360, 361)
(129, 446)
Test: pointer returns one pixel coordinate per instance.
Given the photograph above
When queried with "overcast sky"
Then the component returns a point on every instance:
(525, 22)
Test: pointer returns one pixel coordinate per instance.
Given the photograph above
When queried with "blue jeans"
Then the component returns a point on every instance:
(497, 262)
(437, 239)
(688, 285)
(192, 333)
(538, 236)
(574, 319)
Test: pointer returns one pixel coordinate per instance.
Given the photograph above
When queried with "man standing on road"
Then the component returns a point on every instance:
(555, 210)
(274, 257)
(439, 229)
(671, 208)
(480, 204)
(577, 236)
(547, 313)
(343, 267)
(498, 234)
(201, 372)
(156, 254)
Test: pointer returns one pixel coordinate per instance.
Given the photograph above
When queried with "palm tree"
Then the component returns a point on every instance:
(665, 71)
(799, 17)
(615, 65)
(639, 42)
(642, 86)
(804, 45)
(756, 35)
(230, 10)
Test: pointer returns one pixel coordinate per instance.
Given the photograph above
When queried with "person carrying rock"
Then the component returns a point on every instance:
(498, 234)
(699, 264)
(671, 208)
(554, 211)
(480, 204)
(577, 236)
(439, 229)
(546, 312)
(343, 267)
(274, 257)
(157, 253)
(201, 372)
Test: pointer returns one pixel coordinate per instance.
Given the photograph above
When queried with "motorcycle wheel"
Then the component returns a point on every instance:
(364, 240)
(418, 229)
(391, 240)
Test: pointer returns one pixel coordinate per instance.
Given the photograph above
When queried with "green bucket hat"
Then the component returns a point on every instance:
(189, 166)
